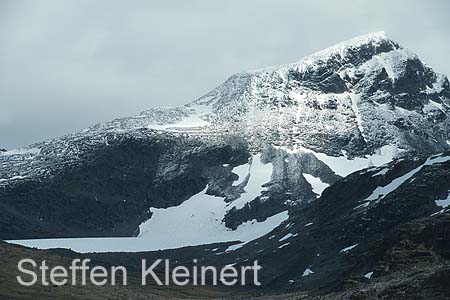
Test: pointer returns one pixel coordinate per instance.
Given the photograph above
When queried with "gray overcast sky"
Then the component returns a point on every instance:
(65, 65)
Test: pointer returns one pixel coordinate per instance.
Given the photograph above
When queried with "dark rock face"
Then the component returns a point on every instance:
(341, 237)
(396, 247)
(110, 193)
(287, 188)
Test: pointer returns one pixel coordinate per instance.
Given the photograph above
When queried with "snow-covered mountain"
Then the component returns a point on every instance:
(356, 96)
(233, 162)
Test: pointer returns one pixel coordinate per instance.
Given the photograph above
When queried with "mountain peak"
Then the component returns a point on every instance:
(376, 39)
(363, 46)
(353, 84)
(370, 38)
(357, 49)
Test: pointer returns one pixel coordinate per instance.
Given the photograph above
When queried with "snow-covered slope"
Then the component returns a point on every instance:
(356, 96)
(196, 221)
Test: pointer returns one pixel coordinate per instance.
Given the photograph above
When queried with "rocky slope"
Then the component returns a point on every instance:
(368, 225)
(381, 233)
(349, 244)
(107, 191)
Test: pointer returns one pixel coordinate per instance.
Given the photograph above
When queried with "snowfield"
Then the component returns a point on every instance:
(171, 238)
(196, 221)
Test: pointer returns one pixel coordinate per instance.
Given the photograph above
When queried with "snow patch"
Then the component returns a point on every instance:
(194, 119)
(349, 248)
(382, 191)
(317, 185)
(21, 151)
(196, 221)
(257, 174)
(343, 165)
(381, 173)
(18, 177)
(438, 85)
(443, 203)
(432, 106)
(284, 245)
(307, 272)
(365, 204)
(355, 100)
(234, 247)
(287, 236)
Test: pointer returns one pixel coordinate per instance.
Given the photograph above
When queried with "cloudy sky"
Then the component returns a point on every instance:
(65, 65)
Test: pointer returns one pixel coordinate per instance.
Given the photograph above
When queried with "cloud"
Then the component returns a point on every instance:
(63, 62)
